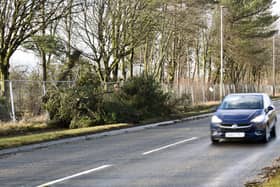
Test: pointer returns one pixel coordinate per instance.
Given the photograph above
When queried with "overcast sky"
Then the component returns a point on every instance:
(276, 8)
(22, 58)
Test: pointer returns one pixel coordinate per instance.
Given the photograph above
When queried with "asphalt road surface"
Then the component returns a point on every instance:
(179, 155)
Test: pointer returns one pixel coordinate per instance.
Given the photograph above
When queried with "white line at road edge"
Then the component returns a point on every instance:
(171, 145)
(75, 175)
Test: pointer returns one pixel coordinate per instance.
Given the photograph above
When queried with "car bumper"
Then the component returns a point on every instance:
(248, 133)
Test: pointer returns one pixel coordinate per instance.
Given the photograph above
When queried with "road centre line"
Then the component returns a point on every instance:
(75, 175)
(170, 145)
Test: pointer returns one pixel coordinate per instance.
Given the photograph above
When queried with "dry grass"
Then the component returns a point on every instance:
(18, 125)
(24, 126)
(8, 142)
(35, 130)
(268, 177)
(210, 103)
(273, 182)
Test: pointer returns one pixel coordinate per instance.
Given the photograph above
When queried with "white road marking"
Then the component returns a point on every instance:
(171, 145)
(75, 175)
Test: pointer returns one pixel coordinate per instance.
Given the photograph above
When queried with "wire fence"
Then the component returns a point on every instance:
(25, 98)
(201, 93)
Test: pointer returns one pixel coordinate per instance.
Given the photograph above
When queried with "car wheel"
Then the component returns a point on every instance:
(214, 141)
(273, 132)
(266, 137)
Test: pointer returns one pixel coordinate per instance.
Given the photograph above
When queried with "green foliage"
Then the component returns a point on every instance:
(184, 101)
(139, 98)
(86, 104)
(144, 96)
(67, 104)
(81, 122)
(247, 26)
(116, 109)
(54, 107)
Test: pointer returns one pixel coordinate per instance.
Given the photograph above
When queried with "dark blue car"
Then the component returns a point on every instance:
(244, 116)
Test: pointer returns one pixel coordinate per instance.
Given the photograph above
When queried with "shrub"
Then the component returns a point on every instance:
(183, 103)
(143, 97)
(81, 122)
(68, 105)
(86, 104)
(117, 110)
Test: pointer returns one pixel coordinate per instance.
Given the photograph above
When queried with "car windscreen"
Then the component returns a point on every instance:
(242, 102)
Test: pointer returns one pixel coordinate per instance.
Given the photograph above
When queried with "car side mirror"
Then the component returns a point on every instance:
(270, 108)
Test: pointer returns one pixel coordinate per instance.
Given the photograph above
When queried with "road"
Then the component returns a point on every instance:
(179, 155)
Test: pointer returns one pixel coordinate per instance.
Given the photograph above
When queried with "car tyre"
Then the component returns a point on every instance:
(273, 132)
(266, 137)
(214, 141)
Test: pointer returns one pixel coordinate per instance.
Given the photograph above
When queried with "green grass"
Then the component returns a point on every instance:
(273, 182)
(8, 142)
(197, 110)
(25, 133)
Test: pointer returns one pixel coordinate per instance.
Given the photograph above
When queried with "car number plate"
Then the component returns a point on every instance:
(235, 135)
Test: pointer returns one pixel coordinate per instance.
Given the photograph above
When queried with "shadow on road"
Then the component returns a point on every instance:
(243, 143)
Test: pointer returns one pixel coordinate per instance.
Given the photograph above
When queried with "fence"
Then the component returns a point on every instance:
(25, 97)
(201, 93)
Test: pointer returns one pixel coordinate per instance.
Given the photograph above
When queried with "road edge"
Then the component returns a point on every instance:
(31, 147)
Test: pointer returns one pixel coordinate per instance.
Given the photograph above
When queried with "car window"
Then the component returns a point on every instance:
(242, 102)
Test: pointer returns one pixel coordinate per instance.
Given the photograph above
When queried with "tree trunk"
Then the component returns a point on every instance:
(123, 62)
(116, 72)
(146, 58)
(131, 63)
(106, 78)
(44, 65)
(210, 70)
(197, 50)
(73, 60)
(43, 53)
(4, 75)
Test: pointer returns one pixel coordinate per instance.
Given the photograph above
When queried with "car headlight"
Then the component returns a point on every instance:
(258, 119)
(216, 119)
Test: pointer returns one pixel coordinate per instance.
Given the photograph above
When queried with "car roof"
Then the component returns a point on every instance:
(258, 94)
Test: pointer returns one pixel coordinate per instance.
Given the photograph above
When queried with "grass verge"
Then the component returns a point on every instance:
(8, 142)
(187, 112)
(268, 177)
(25, 133)
(273, 182)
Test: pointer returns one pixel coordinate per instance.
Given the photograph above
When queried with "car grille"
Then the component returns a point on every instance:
(235, 126)
(239, 125)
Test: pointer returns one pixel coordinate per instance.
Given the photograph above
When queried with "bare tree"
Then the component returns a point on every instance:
(112, 29)
(19, 20)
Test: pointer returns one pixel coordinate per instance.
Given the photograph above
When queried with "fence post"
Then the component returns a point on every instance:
(12, 101)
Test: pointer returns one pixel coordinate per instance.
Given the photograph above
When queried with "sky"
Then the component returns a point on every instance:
(276, 7)
(21, 57)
